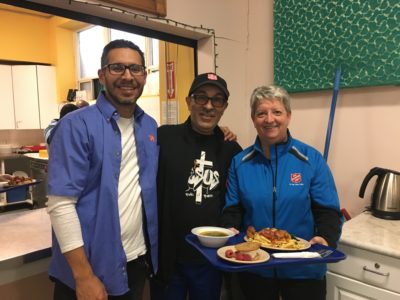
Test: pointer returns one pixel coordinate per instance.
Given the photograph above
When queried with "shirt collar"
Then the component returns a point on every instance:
(109, 111)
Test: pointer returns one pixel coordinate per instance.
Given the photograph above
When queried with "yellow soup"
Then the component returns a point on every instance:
(213, 233)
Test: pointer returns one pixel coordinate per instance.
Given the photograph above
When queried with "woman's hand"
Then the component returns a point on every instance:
(318, 240)
(234, 230)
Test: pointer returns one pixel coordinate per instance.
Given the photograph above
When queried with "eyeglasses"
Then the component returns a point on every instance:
(216, 101)
(119, 69)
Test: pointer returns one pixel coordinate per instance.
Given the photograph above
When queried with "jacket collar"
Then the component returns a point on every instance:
(276, 149)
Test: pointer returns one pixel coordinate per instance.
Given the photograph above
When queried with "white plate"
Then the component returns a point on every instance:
(306, 245)
(262, 256)
(20, 174)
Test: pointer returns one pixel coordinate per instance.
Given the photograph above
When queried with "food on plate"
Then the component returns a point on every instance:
(19, 180)
(274, 238)
(213, 233)
(247, 251)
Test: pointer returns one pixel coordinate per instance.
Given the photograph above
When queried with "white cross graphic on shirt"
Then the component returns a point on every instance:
(200, 163)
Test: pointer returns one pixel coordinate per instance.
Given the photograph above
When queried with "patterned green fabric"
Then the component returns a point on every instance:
(312, 38)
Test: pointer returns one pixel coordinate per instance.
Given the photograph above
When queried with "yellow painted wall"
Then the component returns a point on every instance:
(24, 38)
(38, 39)
(183, 57)
(64, 44)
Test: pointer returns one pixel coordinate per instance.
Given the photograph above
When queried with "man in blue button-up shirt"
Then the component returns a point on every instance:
(102, 187)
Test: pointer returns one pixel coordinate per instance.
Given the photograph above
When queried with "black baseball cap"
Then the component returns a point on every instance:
(209, 78)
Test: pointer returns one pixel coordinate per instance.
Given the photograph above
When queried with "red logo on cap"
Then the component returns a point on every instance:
(212, 77)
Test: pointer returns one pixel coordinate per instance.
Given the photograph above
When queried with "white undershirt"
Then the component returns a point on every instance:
(65, 220)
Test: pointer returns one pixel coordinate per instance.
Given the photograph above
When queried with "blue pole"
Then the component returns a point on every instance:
(336, 86)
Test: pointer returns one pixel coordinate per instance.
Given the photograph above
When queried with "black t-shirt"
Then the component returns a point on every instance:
(191, 187)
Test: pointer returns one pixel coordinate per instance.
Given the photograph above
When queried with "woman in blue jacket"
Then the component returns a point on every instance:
(283, 183)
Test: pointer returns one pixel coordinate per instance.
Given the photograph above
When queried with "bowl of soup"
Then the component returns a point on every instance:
(211, 236)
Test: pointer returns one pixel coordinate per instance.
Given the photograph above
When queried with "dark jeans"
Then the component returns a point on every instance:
(255, 287)
(137, 272)
(190, 281)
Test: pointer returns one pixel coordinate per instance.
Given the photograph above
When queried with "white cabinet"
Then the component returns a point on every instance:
(48, 107)
(26, 101)
(363, 275)
(7, 119)
(344, 288)
(30, 99)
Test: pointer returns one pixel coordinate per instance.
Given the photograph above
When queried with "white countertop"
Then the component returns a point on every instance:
(370, 233)
(24, 232)
(35, 156)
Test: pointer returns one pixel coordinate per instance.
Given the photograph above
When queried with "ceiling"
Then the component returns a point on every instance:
(19, 10)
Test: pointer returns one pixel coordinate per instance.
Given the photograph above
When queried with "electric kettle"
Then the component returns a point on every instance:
(385, 200)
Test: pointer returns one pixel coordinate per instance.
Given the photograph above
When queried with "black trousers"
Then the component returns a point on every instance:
(137, 270)
(255, 287)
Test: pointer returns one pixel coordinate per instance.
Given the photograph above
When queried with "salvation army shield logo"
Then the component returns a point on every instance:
(295, 178)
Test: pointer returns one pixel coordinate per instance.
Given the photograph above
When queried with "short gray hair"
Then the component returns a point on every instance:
(269, 92)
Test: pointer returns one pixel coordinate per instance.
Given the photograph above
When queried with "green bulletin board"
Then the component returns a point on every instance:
(312, 38)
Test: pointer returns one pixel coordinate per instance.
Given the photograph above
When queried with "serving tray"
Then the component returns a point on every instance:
(9, 188)
(211, 255)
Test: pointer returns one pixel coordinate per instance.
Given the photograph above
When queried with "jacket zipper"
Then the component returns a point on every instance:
(274, 176)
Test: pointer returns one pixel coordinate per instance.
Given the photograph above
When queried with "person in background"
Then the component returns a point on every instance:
(280, 182)
(191, 187)
(81, 103)
(5, 177)
(67, 108)
(102, 187)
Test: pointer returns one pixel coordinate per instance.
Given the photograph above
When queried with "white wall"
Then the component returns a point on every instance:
(244, 41)
(366, 130)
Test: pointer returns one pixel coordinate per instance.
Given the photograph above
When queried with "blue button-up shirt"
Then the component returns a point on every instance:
(84, 162)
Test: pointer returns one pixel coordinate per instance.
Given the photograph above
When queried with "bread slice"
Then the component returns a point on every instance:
(247, 246)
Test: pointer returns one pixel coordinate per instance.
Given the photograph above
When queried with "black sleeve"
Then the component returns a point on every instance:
(232, 217)
(327, 224)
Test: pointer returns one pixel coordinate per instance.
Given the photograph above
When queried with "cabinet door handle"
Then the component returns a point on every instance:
(365, 268)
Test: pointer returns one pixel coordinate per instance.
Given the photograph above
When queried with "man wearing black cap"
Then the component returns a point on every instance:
(193, 165)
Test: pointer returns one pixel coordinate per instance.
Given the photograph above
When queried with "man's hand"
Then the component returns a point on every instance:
(88, 286)
(228, 134)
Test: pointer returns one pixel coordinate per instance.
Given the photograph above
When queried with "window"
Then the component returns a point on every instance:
(93, 39)
(91, 43)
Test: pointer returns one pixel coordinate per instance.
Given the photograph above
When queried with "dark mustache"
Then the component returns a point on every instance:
(128, 83)
(209, 112)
